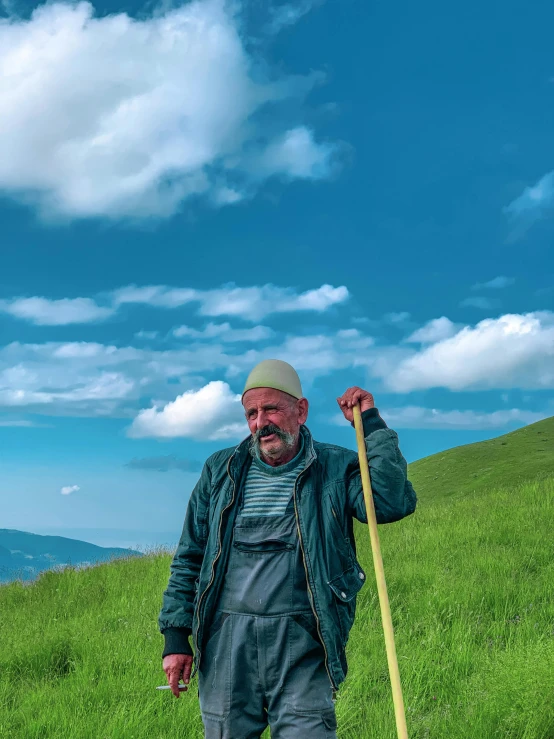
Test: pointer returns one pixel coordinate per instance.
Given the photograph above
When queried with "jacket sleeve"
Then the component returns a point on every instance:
(175, 619)
(394, 497)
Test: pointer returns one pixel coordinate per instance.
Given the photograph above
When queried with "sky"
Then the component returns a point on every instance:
(362, 189)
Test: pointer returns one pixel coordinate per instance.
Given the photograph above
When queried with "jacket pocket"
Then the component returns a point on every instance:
(267, 545)
(345, 587)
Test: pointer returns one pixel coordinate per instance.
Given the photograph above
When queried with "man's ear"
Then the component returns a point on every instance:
(303, 410)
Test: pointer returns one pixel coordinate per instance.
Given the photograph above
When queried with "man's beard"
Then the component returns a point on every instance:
(288, 439)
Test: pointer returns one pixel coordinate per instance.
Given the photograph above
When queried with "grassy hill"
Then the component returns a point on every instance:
(513, 458)
(470, 581)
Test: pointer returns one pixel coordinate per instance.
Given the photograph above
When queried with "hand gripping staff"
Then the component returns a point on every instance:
(399, 713)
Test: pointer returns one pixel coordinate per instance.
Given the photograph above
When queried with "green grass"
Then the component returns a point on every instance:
(470, 580)
(503, 461)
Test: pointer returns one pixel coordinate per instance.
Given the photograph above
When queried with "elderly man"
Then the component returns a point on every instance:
(265, 575)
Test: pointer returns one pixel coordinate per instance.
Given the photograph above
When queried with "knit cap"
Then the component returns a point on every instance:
(276, 374)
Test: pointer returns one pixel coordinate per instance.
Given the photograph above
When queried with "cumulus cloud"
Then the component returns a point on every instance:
(225, 333)
(69, 489)
(45, 312)
(61, 376)
(510, 351)
(90, 379)
(435, 330)
(496, 283)
(116, 116)
(416, 417)
(254, 303)
(534, 203)
(213, 412)
(249, 303)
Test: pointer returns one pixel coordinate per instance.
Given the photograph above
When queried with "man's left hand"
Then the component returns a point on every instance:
(352, 396)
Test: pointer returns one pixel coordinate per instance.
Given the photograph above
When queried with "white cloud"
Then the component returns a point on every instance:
(534, 203)
(396, 317)
(69, 489)
(496, 283)
(249, 303)
(288, 14)
(56, 377)
(510, 351)
(146, 334)
(416, 417)
(227, 196)
(213, 412)
(90, 379)
(107, 386)
(81, 350)
(317, 300)
(254, 303)
(45, 312)
(351, 338)
(129, 117)
(296, 155)
(225, 333)
(433, 331)
(158, 296)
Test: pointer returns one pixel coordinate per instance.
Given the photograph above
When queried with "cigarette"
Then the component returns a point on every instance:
(168, 687)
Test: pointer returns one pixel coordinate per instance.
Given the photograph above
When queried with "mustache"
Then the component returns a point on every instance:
(255, 446)
(268, 430)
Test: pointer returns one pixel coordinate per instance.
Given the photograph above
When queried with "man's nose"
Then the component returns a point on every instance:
(262, 420)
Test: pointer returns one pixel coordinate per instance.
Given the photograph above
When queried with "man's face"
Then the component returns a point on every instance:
(274, 419)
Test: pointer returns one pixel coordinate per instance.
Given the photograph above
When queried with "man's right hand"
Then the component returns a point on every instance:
(174, 665)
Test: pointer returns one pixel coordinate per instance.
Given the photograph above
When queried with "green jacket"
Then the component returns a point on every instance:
(328, 494)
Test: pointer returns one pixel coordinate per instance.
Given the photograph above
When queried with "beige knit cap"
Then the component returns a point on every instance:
(276, 374)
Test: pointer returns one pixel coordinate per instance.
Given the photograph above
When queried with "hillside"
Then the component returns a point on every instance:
(24, 555)
(469, 579)
(516, 457)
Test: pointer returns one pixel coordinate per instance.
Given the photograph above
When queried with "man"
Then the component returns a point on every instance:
(265, 575)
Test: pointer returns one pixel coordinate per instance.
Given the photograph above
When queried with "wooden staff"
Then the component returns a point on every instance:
(380, 576)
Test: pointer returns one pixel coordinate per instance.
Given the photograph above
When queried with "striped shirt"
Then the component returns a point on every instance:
(267, 489)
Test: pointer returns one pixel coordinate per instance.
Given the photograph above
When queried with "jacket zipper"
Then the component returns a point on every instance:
(213, 572)
(312, 602)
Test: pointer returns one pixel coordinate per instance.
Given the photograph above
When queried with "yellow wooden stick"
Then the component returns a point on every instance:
(380, 576)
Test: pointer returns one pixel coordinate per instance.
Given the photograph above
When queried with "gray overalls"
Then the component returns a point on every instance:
(263, 661)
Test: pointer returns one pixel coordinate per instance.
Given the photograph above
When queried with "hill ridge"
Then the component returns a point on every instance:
(520, 455)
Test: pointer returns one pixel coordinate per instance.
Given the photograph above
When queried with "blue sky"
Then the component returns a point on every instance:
(365, 190)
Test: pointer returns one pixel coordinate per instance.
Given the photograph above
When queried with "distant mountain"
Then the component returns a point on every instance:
(23, 556)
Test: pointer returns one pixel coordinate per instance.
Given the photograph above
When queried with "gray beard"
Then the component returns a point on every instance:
(289, 441)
